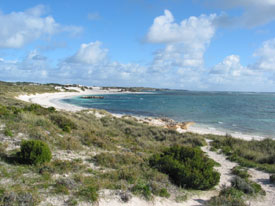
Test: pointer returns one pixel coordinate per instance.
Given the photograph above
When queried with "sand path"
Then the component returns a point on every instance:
(262, 178)
(259, 177)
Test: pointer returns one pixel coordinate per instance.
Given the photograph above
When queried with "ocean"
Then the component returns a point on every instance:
(230, 112)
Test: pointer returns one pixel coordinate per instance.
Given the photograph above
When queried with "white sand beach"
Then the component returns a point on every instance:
(53, 99)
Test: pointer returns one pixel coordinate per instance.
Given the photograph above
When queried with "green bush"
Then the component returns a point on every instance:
(64, 123)
(34, 152)
(187, 167)
(272, 178)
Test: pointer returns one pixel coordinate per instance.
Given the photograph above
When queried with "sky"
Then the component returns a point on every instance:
(205, 45)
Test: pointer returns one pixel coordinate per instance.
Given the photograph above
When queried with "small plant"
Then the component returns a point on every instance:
(71, 202)
(39, 110)
(63, 122)
(89, 193)
(242, 185)
(225, 201)
(187, 167)
(231, 192)
(241, 172)
(272, 178)
(34, 152)
(143, 189)
(61, 189)
(8, 132)
(163, 193)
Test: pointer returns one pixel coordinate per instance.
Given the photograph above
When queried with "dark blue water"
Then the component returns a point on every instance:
(248, 113)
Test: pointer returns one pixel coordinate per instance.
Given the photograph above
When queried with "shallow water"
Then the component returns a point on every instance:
(247, 113)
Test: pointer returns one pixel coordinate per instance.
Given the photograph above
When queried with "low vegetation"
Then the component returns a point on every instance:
(258, 154)
(81, 153)
(241, 188)
(95, 153)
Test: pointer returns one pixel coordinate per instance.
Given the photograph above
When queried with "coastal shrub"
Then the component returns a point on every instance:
(228, 196)
(257, 188)
(225, 201)
(90, 139)
(8, 132)
(254, 153)
(231, 192)
(60, 189)
(142, 188)
(116, 160)
(63, 122)
(69, 143)
(242, 185)
(3, 111)
(187, 167)
(272, 178)
(38, 109)
(241, 172)
(63, 166)
(34, 152)
(9, 112)
(129, 174)
(163, 193)
(14, 198)
(89, 193)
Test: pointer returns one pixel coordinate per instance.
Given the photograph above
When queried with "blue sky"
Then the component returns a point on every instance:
(196, 45)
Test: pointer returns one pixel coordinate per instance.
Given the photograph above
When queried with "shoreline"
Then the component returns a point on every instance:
(54, 100)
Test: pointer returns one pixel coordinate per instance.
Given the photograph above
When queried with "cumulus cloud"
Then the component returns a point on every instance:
(185, 41)
(231, 74)
(230, 66)
(91, 53)
(256, 12)
(266, 56)
(91, 64)
(20, 28)
(34, 67)
(165, 30)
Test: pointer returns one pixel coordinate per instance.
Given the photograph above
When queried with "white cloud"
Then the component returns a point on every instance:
(20, 28)
(34, 67)
(91, 64)
(256, 12)
(230, 74)
(185, 42)
(230, 66)
(266, 56)
(91, 53)
(194, 29)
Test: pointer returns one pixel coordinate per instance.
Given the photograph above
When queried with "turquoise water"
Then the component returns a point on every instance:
(247, 113)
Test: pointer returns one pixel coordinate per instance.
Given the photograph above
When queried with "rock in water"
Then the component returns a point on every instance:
(185, 125)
